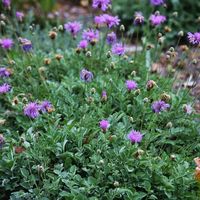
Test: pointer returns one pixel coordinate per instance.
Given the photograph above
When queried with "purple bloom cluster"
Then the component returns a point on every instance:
(6, 3)
(83, 44)
(159, 106)
(131, 85)
(118, 49)
(90, 35)
(4, 72)
(26, 44)
(157, 2)
(104, 125)
(194, 38)
(139, 18)
(86, 75)
(5, 88)
(135, 136)
(33, 109)
(6, 43)
(111, 38)
(19, 16)
(102, 4)
(157, 19)
(105, 19)
(73, 27)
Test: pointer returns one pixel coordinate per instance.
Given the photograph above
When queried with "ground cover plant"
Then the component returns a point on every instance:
(83, 118)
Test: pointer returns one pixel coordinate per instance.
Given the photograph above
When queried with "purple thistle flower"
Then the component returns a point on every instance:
(45, 106)
(83, 44)
(104, 96)
(73, 27)
(4, 72)
(194, 38)
(26, 44)
(131, 85)
(104, 125)
(6, 43)
(99, 20)
(118, 49)
(90, 35)
(135, 136)
(102, 4)
(5, 88)
(157, 2)
(139, 18)
(32, 110)
(111, 21)
(6, 3)
(19, 16)
(159, 106)
(2, 141)
(111, 38)
(86, 75)
(188, 109)
(157, 19)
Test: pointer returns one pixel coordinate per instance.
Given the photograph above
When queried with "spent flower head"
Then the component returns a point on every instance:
(86, 75)
(4, 72)
(159, 106)
(138, 18)
(19, 16)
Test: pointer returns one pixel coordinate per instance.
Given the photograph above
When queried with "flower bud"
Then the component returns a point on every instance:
(108, 55)
(133, 73)
(88, 54)
(47, 61)
(93, 90)
(101, 162)
(169, 125)
(116, 184)
(60, 28)
(122, 28)
(58, 57)
(180, 33)
(2, 121)
(172, 157)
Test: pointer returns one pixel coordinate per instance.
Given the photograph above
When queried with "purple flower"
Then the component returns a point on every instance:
(83, 44)
(157, 19)
(188, 109)
(73, 27)
(2, 141)
(104, 96)
(99, 20)
(194, 38)
(90, 35)
(139, 18)
(135, 136)
(6, 3)
(102, 4)
(19, 16)
(4, 72)
(86, 75)
(26, 44)
(104, 125)
(131, 85)
(159, 106)
(157, 2)
(110, 20)
(118, 49)
(45, 106)
(32, 110)
(6, 43)
(111, 38)
(5, 88)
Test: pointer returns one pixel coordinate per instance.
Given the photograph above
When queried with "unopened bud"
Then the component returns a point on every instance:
(122, 28)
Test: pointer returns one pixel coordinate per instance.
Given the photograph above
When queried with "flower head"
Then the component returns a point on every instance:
(2, 141)
(83, 44)
(4, 72)
(194, 38)
(104, 125)
(26, 44)
(111, 21)
(5, 88)
(102, 4)
(19, 16)
(131, 85)
(45, 106)
(6, 43)
(135, 136)
(73, 28)
(188, 109)
(104, 96)
(90, 35)
(159, 106)
(157, 19)
(32, 110)
(118, 49)
(111, 38)
(6, 3)
(139, 18)
(86, 75)
(99, 20)
(157, 2)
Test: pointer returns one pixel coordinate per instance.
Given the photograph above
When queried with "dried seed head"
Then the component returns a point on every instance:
(59, 57)
(167, 29)
(52, 35)
(15, 101)
(47, 61)
(150, 84)
(165, 97)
